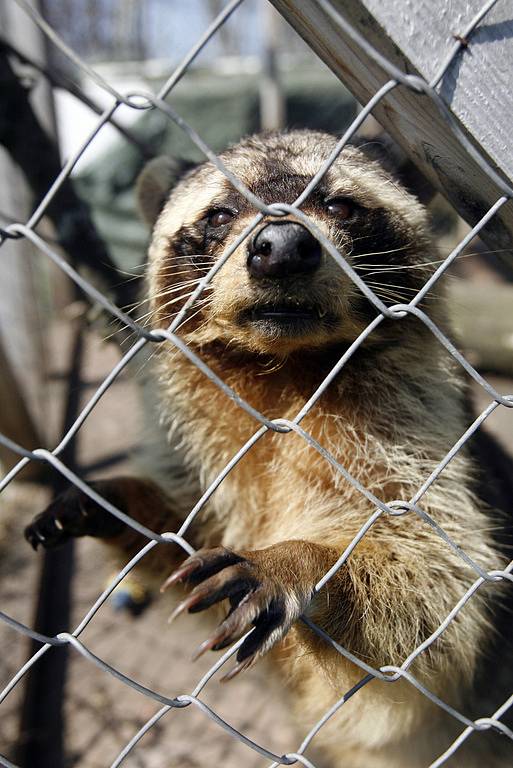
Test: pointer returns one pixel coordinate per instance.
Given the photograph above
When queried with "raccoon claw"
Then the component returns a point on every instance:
(33, 537)
(71, 514)
(187, 604)
(240, 667)
(257, 600)
(182, 573)
(45, 530)
(203, 563)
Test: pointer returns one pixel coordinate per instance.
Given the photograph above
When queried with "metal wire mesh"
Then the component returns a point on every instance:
(397, 313)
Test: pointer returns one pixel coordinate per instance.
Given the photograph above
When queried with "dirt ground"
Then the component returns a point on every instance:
(102, 714)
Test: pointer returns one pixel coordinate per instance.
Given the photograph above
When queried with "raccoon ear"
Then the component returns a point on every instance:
(154, 184)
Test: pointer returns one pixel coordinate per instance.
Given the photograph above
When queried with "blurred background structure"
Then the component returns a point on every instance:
(55, 348)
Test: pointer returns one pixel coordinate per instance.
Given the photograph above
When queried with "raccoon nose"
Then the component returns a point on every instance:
(282, 249)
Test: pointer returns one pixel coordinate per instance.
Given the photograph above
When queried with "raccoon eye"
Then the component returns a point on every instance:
(220, 217)
(339, 207)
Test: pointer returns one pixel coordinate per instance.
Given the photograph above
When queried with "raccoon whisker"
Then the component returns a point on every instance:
(163, 306)
(171, 273)
(148, 300)
(382, 253)
(169, 291)
(191, 261)
(114, 332)
(127, 280)
(171, 277)
(148, 316)
(189, 284)
(400, 267)
(276, 367)
(177, 257)
(382, 288)
(171, 270)
(449, 248)
(379, 268)
(177, 286)
(124, 327)
(184, 256)
(189, 317)
(197, 331)
(199, 302)
(384, 271)
(390, 296)
(133, 275)
(362, 237)
(171, 351)
(173, 288)
(202, 325)
(182, 265)
(393, 285)
(388, 286)
(160, 295)
(138, 271)
(395, 296)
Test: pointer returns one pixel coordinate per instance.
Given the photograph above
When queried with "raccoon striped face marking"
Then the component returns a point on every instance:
(279, 290)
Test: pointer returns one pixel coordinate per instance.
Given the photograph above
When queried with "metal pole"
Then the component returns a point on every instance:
(272, 99)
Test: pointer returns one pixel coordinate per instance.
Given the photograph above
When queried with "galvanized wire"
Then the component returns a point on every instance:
(168, 336)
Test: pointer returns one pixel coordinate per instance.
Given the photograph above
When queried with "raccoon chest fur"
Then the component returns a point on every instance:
(283, 488)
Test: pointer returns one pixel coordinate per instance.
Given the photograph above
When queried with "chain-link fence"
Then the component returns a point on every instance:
(397, 313)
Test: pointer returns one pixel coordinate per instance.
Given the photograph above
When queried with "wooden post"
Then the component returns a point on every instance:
(22, 323)
(16, 421)
(272, 99)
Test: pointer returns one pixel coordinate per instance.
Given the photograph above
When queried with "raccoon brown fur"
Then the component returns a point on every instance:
(272, 324)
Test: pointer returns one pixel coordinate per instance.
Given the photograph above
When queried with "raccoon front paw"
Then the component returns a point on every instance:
(258, 598)
(71, 514)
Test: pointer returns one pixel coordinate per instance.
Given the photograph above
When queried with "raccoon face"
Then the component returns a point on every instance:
(280, 290)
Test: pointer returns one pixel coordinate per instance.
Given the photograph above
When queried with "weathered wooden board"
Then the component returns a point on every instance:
(416, 36)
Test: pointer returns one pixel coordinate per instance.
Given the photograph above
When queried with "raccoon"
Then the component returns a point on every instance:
(271, 325)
